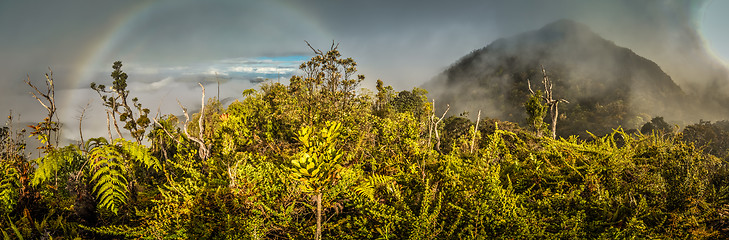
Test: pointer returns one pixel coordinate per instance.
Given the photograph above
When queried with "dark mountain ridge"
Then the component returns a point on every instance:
(607, 85)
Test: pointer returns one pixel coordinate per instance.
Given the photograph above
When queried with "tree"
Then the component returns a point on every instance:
(44, 130)
(385, 95)
(317, 164)
(549, 100)
(658, 125)
(116, 100)
(327, 88)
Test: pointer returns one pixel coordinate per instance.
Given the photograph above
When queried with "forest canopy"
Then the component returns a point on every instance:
(320, 158)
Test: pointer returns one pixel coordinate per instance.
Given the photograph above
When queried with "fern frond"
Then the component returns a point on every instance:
(139, 153)
(194, 173)
(116, 230)
(368, 187)
(54, 161)
(8, 188)
(15, 229)
(5, 235)
(380, 180)
(111, 185)
(365, 189)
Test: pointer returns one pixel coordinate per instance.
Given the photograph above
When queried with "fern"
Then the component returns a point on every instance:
(186, 168)
(111, 164)
(50, 164)
(369, 186)
(8, 188)
(139, 153)
(15, 230)
(110, 187)
(170, 214)
(120, 230)
(426, 224)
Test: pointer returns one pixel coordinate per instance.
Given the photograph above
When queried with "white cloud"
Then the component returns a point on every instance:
(233, 68)
(161, 83)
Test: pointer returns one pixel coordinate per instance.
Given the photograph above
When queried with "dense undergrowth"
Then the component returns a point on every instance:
(288, 160)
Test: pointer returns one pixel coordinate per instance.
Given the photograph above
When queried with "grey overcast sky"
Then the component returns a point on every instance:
(167, 46)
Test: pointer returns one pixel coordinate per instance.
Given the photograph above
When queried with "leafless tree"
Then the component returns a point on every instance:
(549, 100)
(475, 129)
(80, 124)
(204, 150)
(48, 99)
(433, 126)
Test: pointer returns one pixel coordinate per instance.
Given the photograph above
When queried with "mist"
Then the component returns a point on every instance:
(607, 85)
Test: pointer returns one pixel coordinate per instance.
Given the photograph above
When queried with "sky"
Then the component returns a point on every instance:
(168, 46)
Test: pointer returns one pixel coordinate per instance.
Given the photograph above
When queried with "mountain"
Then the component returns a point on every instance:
(607, 85)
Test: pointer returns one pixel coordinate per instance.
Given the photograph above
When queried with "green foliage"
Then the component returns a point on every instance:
(413, 102)
(111, 183)
(111, 164)
(9, 186)
(327, 87)
(317, 164)
(42, 131)
(454, 129)
(368, 187)
(712, 138)
(55, 161)
(116, 100)
(656, 124)
(363, 163)
(15, 230)
(15, 169)
(138, 153)
(536, 112)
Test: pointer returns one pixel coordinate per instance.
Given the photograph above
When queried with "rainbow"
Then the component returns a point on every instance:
(711, 9)
(96, 56)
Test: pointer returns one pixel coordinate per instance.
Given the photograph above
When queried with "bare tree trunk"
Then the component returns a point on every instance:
(108, 125)
(318, 216)
(116, 126)
(80, 124)
(475, 129)
(554, 112)
(437, 137)
(204, 150)
(430, 125)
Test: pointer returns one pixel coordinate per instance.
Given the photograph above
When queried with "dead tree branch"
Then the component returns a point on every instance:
(201, 120)
(437, 137)
(80, 124)
(165, 129)
(116, 126)
(475, 129)
(48, 101)
(552, 103)
(430, 124)
(316, 51)
(204, 150)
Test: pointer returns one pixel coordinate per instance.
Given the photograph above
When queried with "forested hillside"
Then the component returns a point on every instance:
(320, 159)
(607, 86)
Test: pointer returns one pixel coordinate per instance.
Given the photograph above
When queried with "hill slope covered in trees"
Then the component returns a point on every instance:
(607, 85)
